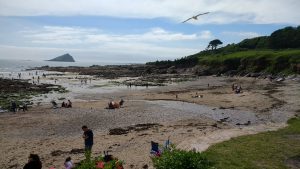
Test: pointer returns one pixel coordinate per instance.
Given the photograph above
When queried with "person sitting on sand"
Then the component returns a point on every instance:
(14, 106)
(63, 104)
(121, 102)
(115, 105)
(68, 163)
(155, 151)
(34, 162)
(233, 87)
(238, 89)
(69, 105)
(110, 105)
(23, 106)
(54, 104)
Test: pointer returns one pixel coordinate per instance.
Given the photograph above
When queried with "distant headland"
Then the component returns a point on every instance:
(63, 58)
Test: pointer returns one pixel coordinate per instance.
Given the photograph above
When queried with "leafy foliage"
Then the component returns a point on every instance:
(254, 61)
(99, 163)
(255, 43)
(179, 159)
(288, 37)
(214, 44)
(188, 61)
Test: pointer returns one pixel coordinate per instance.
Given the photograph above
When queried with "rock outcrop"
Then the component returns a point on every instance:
(63, 58)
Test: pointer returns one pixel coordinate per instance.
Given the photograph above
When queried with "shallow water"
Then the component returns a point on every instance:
(7, 65)
(234, 116)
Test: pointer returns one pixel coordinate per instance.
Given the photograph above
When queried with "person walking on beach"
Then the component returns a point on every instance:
(34, 162)
(88, 137)
(233, 87)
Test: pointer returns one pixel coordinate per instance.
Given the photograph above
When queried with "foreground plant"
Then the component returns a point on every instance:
(101, 162)
(179, 159)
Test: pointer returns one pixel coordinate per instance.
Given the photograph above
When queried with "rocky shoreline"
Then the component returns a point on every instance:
(22, 90)
(159, 72)
(144, 75)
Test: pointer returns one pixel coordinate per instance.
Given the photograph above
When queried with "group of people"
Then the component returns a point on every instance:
(15, 108)
(63, 104)
(111, 104)
(236, 88)
(66, 104)
(84, 81)
(36, 82)
(34, 161)
(115, 105)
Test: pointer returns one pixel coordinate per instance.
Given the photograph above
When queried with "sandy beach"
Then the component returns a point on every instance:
(194, 114)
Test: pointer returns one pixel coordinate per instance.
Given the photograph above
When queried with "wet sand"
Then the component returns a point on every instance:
(192, 123)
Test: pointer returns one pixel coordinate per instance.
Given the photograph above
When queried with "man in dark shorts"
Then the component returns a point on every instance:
(88, 137)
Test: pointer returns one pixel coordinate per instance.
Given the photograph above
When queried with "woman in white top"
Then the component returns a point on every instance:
(68, 163)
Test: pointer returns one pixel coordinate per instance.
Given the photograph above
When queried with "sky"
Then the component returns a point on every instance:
(133, 31)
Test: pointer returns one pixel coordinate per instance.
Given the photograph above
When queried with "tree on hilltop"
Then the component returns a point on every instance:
(214, 44)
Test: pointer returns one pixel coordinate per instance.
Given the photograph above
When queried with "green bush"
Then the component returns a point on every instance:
(179, 159)
(99, 163)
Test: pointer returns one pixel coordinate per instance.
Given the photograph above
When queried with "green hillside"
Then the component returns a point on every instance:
(274, 54)
(270, 61)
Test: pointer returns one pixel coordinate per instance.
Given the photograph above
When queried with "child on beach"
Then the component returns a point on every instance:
(68, 163)
(63, 104)
(69, 105)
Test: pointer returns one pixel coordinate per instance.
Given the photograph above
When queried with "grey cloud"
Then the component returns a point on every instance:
(223, 11)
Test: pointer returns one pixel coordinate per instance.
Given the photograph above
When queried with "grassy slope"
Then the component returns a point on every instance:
(267, 150)
(253, 61)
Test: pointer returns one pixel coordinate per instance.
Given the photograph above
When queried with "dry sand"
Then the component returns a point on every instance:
(190, 122)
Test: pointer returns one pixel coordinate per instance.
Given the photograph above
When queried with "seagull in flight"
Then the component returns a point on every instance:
(195, 17)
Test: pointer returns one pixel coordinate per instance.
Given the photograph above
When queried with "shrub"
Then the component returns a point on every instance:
(106, 162)
(179, 159)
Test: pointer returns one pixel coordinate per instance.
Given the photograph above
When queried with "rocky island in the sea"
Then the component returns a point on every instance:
(63, 58)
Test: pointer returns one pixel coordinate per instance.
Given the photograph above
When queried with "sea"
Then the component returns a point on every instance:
(13, 66)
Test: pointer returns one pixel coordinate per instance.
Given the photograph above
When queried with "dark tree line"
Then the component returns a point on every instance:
(288, 37)
(188, 61)
(255, 43)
